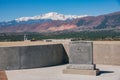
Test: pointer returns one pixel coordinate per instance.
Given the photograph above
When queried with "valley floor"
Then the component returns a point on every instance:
(26, 43)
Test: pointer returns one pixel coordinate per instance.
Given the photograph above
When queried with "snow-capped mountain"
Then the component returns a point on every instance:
(51, 15)
(52, 22)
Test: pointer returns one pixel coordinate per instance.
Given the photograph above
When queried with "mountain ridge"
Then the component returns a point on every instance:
(107, 21)
(50, 15)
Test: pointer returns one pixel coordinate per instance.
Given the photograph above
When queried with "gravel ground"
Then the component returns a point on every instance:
(108, 72)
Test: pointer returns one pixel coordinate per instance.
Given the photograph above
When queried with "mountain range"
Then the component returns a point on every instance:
(52, 22)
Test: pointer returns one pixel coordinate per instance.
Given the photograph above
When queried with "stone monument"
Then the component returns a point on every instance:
(81, 59)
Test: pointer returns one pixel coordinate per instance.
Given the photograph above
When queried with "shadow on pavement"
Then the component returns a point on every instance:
(105, 72)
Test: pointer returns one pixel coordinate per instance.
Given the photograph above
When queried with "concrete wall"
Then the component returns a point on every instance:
(104, 52)
(25, 57)
(108, 54)
(22, 57)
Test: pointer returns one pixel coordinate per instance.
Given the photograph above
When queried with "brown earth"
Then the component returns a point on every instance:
(3, 75)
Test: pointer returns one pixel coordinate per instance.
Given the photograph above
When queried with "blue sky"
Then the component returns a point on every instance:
(12, 9)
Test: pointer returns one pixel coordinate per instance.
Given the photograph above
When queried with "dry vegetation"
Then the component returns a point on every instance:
(26, 43)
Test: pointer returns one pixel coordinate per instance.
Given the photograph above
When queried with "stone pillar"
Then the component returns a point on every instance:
(81, 59)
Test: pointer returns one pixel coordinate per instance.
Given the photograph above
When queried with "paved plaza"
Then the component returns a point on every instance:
(108, 72)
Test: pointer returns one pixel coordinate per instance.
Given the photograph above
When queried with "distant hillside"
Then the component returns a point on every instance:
(53, 22)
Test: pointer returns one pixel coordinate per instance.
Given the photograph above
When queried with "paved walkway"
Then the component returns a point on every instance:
(55, 73)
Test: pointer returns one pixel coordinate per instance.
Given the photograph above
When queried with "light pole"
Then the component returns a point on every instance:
(25, 37)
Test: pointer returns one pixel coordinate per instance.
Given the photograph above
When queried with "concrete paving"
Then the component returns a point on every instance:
(108, 72)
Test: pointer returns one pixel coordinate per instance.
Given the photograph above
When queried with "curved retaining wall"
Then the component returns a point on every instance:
(25, 57)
